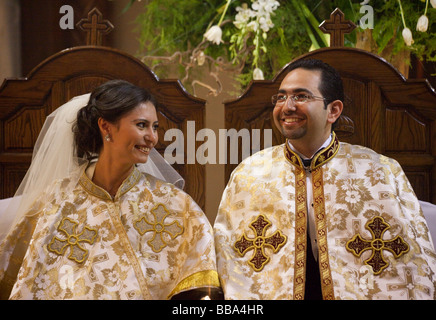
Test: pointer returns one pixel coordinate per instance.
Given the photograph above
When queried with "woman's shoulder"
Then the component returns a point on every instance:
(156, 183)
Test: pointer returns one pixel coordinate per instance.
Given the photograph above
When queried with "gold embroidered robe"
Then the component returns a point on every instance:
(150, 242)
(373, 240)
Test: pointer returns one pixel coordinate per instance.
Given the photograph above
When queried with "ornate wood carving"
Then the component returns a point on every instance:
(337, 26)
(95, 27)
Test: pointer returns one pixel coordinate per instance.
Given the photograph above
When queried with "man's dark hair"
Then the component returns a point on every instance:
(331, 86)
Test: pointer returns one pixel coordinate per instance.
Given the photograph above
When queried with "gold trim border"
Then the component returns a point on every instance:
(115, 216)
(319, 159)
(99, 192)
(300, 234)
(321, 230)
(205, 278)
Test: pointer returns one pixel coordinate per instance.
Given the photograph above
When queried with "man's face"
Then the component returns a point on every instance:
(306, 124)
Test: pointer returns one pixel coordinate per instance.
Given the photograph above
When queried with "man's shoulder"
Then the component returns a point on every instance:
(267, 154)
(261, 160)
(370, 154)
(270, 151)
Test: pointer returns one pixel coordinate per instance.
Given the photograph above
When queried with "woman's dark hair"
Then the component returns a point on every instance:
(110, 101)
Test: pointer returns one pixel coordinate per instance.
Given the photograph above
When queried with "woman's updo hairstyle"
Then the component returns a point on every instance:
(110, 101)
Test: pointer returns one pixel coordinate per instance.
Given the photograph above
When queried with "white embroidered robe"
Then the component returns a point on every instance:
(150, 242)
(373, 240)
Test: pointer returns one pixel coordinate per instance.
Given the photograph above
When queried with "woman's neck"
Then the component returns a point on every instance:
(109, 175)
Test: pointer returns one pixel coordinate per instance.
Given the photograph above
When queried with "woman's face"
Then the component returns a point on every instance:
(134, 135)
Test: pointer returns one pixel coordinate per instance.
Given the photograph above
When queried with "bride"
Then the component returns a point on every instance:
(98, 215)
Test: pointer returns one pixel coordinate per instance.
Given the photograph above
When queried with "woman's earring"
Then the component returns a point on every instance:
(107, 138)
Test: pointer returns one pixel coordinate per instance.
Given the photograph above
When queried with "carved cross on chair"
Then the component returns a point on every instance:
(337, 27)
(95, 27)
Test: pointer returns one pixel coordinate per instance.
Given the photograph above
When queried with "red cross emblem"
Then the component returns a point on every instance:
(259, 243)
(377, 226)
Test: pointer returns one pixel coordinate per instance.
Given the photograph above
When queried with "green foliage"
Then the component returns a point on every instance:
(388, 27)
(167, 26)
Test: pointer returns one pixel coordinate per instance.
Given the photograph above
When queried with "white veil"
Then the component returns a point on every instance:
(54, 158)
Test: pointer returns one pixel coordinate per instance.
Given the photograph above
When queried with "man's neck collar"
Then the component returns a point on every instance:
(302, 156)
(326, 153)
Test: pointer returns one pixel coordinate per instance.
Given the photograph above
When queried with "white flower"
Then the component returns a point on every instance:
(103, 232)
(253, 26)
(422, 24)
(265, 24)
(113, 276)
(265, 6)
(214, 34)
(407, 36)
(257, 17)
(266, 287)
(243, 16)
(433, 3)
(257, 74)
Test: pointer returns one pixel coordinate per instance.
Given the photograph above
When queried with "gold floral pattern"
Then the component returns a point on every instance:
(353, 193)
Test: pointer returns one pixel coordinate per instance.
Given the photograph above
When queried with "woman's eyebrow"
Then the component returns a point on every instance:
(146, 121)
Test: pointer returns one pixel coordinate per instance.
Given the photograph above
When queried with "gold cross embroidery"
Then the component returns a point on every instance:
(275, 242)
(409, 285)
(157, 242)
(77, 252)
(377, 226)
(351, 157)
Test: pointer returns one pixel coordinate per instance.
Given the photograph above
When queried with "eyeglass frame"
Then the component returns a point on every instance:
(311, 97)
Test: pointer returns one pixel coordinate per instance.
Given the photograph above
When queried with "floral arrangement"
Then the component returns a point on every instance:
(406, 25)
(256, 38)
(255, 20)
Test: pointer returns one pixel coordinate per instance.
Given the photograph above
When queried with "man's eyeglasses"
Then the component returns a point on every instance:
(281, 98)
